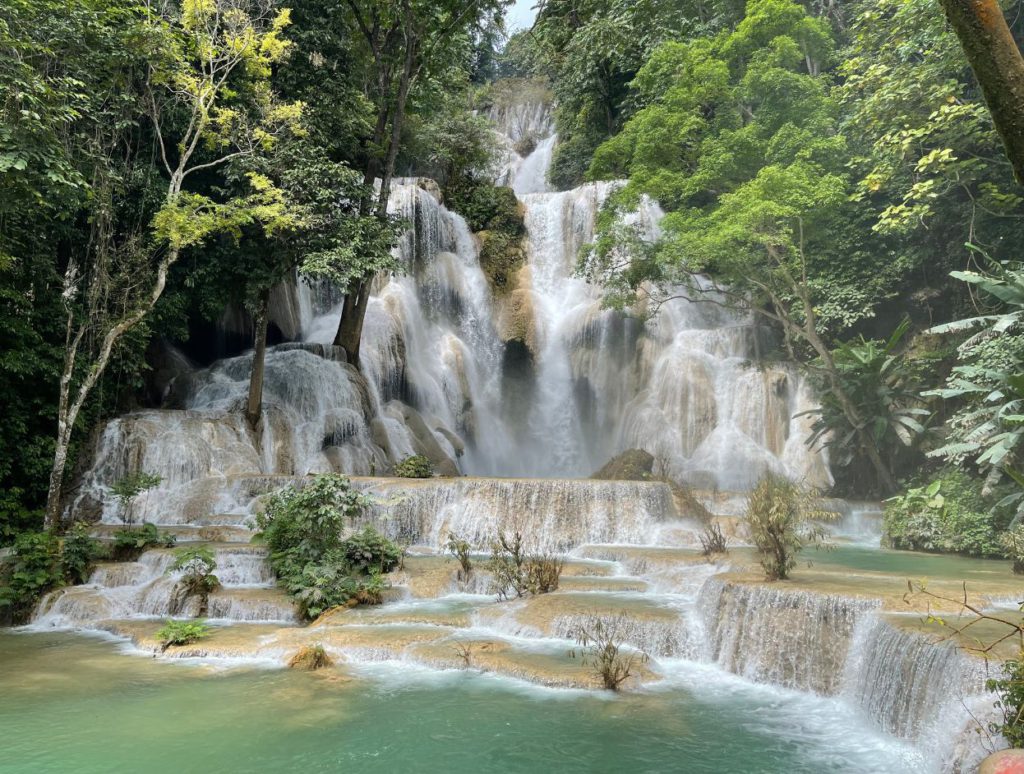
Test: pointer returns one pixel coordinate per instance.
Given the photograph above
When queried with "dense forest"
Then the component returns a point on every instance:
(834, 166)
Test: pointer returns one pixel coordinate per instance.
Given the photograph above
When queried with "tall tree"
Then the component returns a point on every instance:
(998, 66)
(406, 42)
(209, 101)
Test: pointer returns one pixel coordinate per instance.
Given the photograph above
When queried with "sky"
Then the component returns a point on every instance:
(521, 15)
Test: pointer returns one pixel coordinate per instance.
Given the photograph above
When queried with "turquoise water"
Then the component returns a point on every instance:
(910, 563)
(75, 704)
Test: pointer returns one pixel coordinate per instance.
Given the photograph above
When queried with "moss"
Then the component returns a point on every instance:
(310, 658)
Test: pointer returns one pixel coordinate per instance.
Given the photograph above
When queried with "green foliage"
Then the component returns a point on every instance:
(988, 381)
(41, 562)
(949, 514)
(33, 569)
(129, 543)
(196, 566)
(591, 50)
(368, 552)
(1013, 545)
(181, 633)
(781, 519)
(304, 523)
(460, 548)
(1009, 688)
(416, 466)
(303, 527)
(127, 489)
(79, 553)
(882, 384)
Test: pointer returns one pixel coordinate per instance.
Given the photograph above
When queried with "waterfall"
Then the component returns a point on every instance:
(795, 639)
(146, 589)
(554, 516)
(918, 689)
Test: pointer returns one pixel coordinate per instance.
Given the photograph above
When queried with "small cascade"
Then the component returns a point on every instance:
(859, 523)
(554, 516)
(147, 589)
(794, 639)
(915, 688)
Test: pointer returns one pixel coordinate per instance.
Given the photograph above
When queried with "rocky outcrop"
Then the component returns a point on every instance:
(630, 465)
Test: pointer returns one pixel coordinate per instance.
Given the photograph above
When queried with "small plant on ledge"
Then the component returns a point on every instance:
(459, 548)
(601, 648)
(416, 466)
(128, 489)
(197, 579)
(712, 540)
(130, 543)
(181, 633)
(782, 522)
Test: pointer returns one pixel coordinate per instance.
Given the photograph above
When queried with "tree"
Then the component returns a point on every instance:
(209, 66)
(780, 517)
(406, 43)
(998, 66)
(884, 387)
(738, 141)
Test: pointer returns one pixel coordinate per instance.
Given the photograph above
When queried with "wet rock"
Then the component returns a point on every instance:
(426, 442)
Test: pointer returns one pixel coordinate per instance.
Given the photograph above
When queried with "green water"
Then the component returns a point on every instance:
(910, 563)
(74, 704)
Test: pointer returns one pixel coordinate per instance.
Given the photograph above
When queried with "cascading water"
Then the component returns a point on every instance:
(436, 378)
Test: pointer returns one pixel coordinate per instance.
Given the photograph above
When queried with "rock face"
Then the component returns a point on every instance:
(630, 465)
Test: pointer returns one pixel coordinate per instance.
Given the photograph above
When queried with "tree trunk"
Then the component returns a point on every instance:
(67, 412)
(998, 66)
(254, 405)
(353, 313)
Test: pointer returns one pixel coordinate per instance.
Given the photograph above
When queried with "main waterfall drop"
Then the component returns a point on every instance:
(541, 382)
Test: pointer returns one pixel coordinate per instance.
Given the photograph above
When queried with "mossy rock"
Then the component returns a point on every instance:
(501, 256)
(630, 465)
(310, 658)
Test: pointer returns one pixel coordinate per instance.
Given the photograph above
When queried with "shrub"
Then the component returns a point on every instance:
(543, 573)
(507, 565)
(601, 649)
(303, 527)
(780, 519)
(181, 633)
(129, 543)
(306, 522)
(369, 551)
(129, 488)
(310, 658)
(416, 466)
(712, 541)
(197, 579)
(34, 569)
(516, 573)
(79, 553)
(459, 548)
(1009, 688)
(948, 514)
